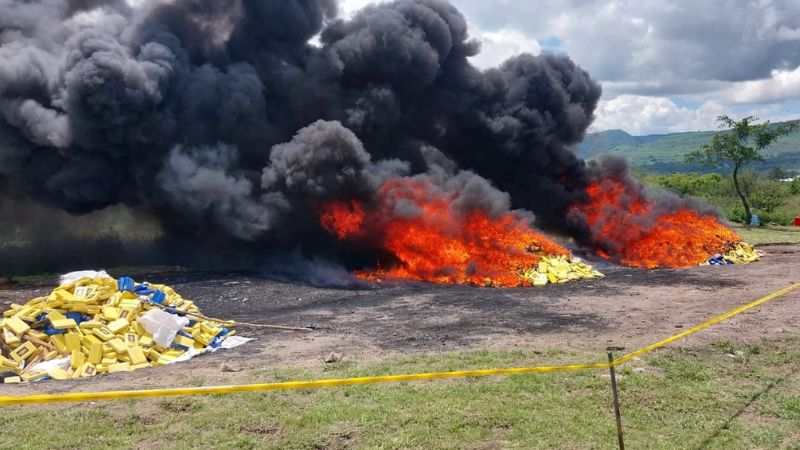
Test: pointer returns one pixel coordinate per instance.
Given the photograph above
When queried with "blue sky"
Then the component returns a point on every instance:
(665, 66)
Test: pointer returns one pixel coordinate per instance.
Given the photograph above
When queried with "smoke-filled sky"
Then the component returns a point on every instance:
(227, 127)
(665, 66)
(232, 122)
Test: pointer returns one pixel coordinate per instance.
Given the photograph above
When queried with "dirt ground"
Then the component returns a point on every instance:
(629, 308)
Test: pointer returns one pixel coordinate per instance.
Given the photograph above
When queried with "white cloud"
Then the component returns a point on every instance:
(781, 85)
(349, 7)
(644, 41)
(498, 46)
(639, 114)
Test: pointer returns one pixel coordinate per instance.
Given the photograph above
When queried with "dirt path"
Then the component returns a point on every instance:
(629, 308)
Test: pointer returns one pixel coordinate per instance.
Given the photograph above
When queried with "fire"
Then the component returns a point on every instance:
(430, 239)
(629, 230)
(344, 219)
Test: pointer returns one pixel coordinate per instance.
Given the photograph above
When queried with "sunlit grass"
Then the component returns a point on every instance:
(724, 395)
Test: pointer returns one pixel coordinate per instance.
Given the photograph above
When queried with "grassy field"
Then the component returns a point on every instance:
(723, 395)
(769, 234)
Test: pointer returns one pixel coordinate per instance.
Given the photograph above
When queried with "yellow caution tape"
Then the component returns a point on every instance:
(706, 324)
(172, 392)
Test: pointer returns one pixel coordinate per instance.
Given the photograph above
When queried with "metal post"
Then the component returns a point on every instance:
(614, 396)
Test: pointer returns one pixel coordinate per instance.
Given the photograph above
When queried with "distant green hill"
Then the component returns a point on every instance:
(663, 153)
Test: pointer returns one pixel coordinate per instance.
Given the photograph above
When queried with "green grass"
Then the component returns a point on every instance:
(726, 396)
(769, 234)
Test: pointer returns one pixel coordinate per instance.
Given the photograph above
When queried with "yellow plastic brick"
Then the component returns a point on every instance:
(184, 341)
(10, 337)
(59, 341)
(103, 333)
(77, 360)
(54, 315)
(153, 354)
(38, 335)
(118, 326)
(23, 352)
(95, 353)
(118, 345)
(136, 355)
(146, 340)
(131, 340)
(131, 303)
(58, 373)
(7, 363)
(110, 313)
(28, 313)
(108, 361)
(87, 370)
(138, 329)
(173, 352)
(72, 341)
(33, 375)
(64, 324)
(210, 328)
(203, 338)
(16, 325)
(128, 314)
(119, 367)
(64, 295)
(91, 324)
(88, 339)
(12, 380)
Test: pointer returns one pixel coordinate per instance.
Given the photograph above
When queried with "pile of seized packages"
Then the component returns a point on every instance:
(741, 253)
(562, 269)
(559, 269)
(93, 324)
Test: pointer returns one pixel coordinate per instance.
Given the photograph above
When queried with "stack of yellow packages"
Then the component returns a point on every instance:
(101, 325)
(741, 253)
(559, 269)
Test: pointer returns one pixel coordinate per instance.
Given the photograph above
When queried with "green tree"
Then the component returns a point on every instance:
(741, 143)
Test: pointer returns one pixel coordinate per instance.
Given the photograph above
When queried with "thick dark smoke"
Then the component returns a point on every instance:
(223, 121)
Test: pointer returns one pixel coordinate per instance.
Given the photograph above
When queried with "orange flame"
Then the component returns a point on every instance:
(621, 222)
(344, 219)
(430, 240)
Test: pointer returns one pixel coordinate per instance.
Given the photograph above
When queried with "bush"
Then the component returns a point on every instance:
(734, 214)
(778, 217)
(768, 195)
(774, 201)
(794, 187)
(691, 184)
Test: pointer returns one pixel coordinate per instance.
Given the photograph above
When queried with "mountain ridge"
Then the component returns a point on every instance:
(663, 153)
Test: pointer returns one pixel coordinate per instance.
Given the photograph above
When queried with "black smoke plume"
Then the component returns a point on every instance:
(228, 121)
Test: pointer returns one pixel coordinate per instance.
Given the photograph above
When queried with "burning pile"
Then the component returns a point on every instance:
(100, 325)
(635, 231)
(427, 234)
